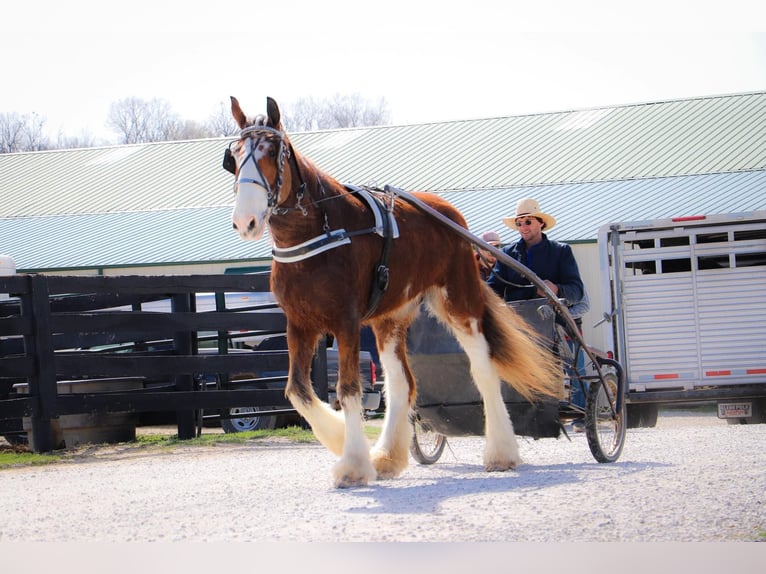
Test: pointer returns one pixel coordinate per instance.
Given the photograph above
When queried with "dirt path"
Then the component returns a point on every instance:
(692, 478)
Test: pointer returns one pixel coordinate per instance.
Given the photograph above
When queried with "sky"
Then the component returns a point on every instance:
(431, 61)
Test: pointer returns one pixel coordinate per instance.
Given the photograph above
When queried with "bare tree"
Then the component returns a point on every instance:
(85, 139)
(221, 124)
(136, 120)
(140, 121)
(339, 111)
(22, 132)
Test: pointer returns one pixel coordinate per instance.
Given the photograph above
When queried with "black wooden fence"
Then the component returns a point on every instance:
(55, 328)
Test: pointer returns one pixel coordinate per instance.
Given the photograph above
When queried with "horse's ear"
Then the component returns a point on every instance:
(237, 113)
(272, 109)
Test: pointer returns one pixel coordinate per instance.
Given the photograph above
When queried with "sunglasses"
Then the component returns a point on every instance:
(526, 222)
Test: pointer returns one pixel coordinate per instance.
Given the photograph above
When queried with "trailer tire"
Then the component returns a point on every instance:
(641, 416)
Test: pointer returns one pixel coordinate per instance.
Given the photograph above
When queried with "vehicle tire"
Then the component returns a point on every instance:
(16, 439)
(249, 421)
(604, 428)
(642, 415)
(427, 445)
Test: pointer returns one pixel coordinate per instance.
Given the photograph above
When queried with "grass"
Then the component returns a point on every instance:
(293, 433)
(19, 456)
(14, 457)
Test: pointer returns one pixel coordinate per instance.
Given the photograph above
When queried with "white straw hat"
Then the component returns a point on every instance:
(529, 207)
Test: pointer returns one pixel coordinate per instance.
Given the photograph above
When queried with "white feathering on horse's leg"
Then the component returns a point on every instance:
(391, 452)
(501, 451)
(326, 423)
(354, 468)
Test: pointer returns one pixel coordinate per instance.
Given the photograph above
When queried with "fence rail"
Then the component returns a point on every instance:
(75, 328)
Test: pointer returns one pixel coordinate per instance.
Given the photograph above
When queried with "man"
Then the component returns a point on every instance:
(552, 261)
(485, 259)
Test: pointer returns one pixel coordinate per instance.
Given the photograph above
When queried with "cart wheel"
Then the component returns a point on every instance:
(427, 445)
(605, 431)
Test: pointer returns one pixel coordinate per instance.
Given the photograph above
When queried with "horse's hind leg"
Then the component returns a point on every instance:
(501, 451)
(390, 455)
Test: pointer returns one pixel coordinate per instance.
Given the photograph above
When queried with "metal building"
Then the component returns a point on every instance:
(164, 207)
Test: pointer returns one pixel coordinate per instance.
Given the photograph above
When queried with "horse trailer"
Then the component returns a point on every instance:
(685, 299)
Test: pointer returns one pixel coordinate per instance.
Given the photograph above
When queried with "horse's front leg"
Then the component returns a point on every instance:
(354, 468)
(326, 423)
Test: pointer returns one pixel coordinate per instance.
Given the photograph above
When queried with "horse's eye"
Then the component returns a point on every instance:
(272, 152)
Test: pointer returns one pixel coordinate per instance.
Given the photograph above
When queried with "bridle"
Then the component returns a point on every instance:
(256, 135)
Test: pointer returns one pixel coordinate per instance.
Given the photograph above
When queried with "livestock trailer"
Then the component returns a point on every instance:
(685, 298)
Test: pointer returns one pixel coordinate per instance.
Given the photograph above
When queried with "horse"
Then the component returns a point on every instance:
(345, 257)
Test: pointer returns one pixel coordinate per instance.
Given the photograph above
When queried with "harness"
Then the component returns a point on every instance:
(380, 203)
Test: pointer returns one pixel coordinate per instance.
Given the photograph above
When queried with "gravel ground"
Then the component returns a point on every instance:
(691, 478)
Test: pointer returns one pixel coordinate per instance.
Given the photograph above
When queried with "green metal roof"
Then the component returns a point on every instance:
(170, 202)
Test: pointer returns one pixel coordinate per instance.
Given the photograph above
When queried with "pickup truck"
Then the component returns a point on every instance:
(240, 419)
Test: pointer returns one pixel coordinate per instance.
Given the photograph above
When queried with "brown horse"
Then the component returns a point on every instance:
(344, 257)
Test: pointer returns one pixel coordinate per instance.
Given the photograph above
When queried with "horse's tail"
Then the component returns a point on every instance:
(520, 356)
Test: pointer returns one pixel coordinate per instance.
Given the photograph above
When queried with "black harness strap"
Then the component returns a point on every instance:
(381, 274)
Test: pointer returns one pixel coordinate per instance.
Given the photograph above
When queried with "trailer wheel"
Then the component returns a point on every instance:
(604, 429)
(642, 415)
(427, 445)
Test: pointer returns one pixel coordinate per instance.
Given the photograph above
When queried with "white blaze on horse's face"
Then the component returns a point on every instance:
(251, 207)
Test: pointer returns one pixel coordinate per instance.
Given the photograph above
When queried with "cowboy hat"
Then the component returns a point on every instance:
(529, 207)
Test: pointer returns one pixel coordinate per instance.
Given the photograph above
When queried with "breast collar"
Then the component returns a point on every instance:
(385, 226)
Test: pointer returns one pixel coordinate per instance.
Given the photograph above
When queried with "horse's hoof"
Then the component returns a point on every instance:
(385, 466)
(349, 476)
(350, 481)
(501, 466)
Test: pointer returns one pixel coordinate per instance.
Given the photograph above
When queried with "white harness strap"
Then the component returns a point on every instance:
(311, 247)
(376, 208)
(336, 238)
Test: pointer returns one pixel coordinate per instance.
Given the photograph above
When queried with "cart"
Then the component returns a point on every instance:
(448, 404)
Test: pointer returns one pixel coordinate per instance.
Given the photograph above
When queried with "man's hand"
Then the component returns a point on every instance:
(552, 286)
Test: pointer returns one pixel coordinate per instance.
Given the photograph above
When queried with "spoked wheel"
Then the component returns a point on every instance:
(427, 445)
(604, 428)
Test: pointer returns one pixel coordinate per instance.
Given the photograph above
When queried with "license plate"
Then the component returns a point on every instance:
(735, 410)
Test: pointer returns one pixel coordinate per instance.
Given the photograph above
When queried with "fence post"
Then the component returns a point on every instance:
(182, 343)
(42, 384)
